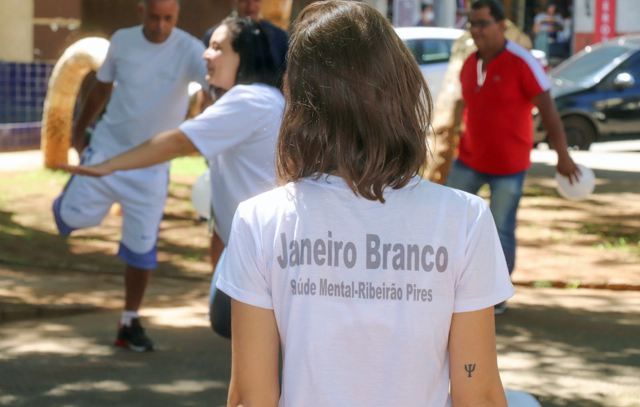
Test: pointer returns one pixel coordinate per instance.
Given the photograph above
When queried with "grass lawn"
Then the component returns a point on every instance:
(554, 234)
(28, 235)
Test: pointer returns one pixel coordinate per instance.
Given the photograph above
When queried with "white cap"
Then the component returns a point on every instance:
(580, 189)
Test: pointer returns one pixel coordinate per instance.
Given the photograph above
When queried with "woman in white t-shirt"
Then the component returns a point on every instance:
(237, 134)
(377, 287)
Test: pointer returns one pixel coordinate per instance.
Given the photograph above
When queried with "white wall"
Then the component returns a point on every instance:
(16, 30)
(628, 16)
(584, 15)
(445, 13)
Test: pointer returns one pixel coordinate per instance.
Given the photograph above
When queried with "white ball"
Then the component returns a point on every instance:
(201, 195)
(578, 190)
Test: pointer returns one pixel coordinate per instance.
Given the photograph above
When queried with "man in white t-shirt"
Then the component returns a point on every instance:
(144, 78)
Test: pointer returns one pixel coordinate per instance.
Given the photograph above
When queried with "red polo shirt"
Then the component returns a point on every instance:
(498, 127)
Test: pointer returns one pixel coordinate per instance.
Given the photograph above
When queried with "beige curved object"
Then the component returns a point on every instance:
(447, 112)
(278, 12)
(78, 60)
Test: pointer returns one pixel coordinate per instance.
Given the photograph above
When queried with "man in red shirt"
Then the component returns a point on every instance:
(500, 85)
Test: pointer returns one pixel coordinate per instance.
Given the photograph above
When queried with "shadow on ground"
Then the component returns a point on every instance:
(73, 363)
(572, 356)
(29, 238)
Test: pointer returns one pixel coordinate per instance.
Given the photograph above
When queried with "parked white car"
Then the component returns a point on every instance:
(431, 46)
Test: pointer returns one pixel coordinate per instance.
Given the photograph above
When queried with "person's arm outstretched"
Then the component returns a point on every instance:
(473, 370)
(162, 147)
(255, 352)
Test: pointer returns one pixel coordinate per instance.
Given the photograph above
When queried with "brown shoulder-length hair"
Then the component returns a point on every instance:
(357, 105)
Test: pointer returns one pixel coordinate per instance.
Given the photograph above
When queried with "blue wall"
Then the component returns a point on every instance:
(23, 88)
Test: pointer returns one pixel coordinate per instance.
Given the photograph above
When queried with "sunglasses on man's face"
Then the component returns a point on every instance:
(480, 23)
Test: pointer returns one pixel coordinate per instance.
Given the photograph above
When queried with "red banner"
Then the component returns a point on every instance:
(605, 20)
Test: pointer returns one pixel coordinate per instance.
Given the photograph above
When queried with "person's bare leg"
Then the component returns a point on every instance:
(131, 334)
(135, 285)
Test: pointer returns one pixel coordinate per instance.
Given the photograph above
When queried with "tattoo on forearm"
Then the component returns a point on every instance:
(470, 368)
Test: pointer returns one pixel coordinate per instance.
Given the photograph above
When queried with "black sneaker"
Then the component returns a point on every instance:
(133, 337)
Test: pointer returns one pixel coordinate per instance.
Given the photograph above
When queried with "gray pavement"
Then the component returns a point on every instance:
(567, 347)
(70, 361)
(613, 155)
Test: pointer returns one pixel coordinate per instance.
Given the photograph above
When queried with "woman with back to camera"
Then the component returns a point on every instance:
(237, 134)
(376, 286)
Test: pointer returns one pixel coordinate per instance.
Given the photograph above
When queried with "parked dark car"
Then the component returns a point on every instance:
(597, 92)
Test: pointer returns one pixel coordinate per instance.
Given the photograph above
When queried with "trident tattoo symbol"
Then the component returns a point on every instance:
(470, 368)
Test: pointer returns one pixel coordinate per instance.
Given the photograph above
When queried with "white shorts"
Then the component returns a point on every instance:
(142, 193)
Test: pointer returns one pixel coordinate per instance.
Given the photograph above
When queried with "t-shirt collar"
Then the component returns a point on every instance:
(481, 74)
(156, 44)
(339, 182)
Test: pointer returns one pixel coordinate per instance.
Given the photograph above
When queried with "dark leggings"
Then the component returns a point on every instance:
(220, 314)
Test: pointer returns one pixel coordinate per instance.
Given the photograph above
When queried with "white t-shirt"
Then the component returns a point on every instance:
(150, 87)
(363, 292)
(238, 135)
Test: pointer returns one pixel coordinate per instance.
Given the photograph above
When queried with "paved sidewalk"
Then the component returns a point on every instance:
(27, 160)
(21, 161)
(27, 292)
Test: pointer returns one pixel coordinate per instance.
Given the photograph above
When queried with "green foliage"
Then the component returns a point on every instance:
(188, 166)
(614, 236)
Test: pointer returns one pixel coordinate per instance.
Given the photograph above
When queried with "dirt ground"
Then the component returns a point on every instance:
(588, 244)
(593, 243)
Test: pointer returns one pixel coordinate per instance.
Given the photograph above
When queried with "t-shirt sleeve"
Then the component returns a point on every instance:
(226, 123)
(534, 79)
(107, 71)
(242, 274)
(483, 280)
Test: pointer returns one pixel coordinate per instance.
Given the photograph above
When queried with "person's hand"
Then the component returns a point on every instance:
(568, 168)
(99, 170)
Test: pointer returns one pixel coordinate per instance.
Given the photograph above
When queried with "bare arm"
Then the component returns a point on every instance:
(473, 370)
(555, 133)
(255, 351)
(96, 100)
(215, 250)
(162, 147)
